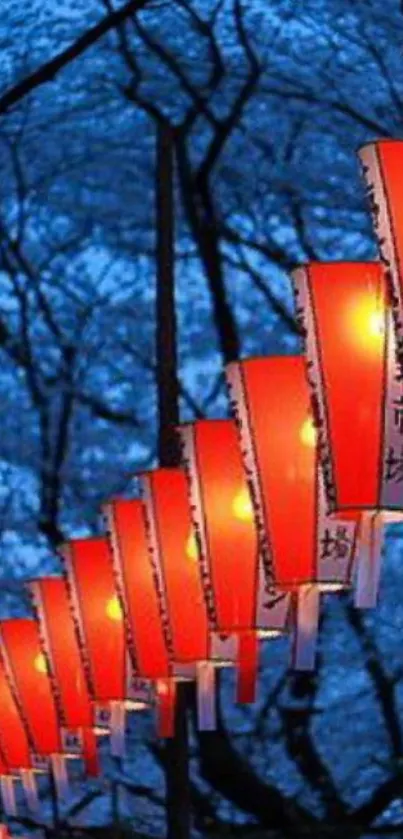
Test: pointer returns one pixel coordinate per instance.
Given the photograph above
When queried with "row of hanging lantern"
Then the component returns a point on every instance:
(268, 509)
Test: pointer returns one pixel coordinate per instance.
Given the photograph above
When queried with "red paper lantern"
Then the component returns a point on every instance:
(60, 647)
(27, 673)
(382, 166)
(100, 631)
(356, 390)
(125, 521)
(227, 541)
(14, 742)
(304, 551)
(188, 637)
(15, 750)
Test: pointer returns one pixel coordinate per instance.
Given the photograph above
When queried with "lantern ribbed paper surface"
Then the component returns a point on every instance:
(98, 617)
(357, 395)
(190, 641)
(177, 576)
(299, 543)
(125, 522)
(227, 544)
(224, 522)
(304, 551)
(355, 383)
(99, 625)
(383, 166)
(27, 672)
(135, 583)
(59, 644)
(13, 736)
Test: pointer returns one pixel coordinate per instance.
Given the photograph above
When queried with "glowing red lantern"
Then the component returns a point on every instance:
(27, 673)
(178, 583)
(60, 647)
(125, 521)
(356, 391)
(382, 164)
(304, 551)
(99, 625)
(227, 543)
(14, 743)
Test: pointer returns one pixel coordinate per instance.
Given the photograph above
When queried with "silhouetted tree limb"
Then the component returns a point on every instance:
(50, 69)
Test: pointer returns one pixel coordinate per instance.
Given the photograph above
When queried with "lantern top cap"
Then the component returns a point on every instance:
(8, 621)
(85, 540)
(336, 263)
(390, 141)
(147, 474)
(48, 578)
(111, 504)
(289, 358)
(205, 421)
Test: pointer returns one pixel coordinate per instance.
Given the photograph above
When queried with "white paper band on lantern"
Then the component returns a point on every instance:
(369, 548)
(102, 718)
(30, 789)
(46, 646)
(272, 607)
(72, 742)
(224, 649)
(138, 693)
(117, 729)
(8, 795)
(336, 545)
(239, 411)
(391, 496)
(59, 772)
(304, 316)
(158, 575)
(39, 763)
(65, 553)
(119, 577)
(205, 691)
(187, 442)
(305, 627)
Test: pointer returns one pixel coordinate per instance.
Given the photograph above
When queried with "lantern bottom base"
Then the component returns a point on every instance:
(135, 705)
(265, 634)
(388, 515)
(323, 585)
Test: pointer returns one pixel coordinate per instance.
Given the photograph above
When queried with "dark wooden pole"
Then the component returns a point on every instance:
(178, 805)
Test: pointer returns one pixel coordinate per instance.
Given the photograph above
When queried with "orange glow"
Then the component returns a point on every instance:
(40, 663)
(114, 609)
(347, 336)
(242, 505)
(367, 322)
(192, 550)
(308, 435)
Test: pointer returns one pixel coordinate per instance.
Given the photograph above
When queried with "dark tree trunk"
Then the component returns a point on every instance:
(177, 749)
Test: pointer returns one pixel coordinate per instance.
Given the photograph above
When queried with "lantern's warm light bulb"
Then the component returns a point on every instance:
(192, 551)
(368, 322)
(114, 609)
(376, 324)
(40, 663)
(242, 505)
(308, 432)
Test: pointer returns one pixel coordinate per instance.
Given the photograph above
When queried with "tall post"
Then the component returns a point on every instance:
(178, 805)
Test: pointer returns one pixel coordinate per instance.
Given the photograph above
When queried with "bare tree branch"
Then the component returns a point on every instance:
(48, 71)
